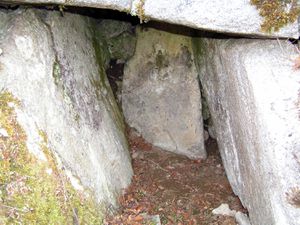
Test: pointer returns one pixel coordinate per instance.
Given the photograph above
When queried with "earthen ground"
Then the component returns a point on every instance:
(180, 190)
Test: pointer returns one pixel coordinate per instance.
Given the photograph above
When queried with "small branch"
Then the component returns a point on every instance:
(280, 46)
(157, 165)
(14, 208)
(75, 216)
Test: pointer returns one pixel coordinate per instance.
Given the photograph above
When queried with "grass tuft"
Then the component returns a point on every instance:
(34, 191)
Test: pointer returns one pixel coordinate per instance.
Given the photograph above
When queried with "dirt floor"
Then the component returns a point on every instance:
(174, 189)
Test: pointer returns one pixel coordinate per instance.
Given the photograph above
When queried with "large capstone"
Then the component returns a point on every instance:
(161, 97)
(122, 5)
(55, 66)
(234, 16)
(252, 90)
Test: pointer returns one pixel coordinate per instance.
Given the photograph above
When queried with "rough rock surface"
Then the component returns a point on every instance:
(242, 219)
(120, 38)
(122, 5)
(253, 95)
(53, 65)
(161, 97)
(236, 16)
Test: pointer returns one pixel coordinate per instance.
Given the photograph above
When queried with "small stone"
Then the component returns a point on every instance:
(224, 210)
(212, 132)
(138, 155)
(242, 219)
(135, 155)
(11, 104)
(49, 171)
(3, 132)
(151, 219)
(206, 135)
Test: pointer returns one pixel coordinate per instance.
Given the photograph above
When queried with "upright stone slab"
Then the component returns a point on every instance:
(253, 95)
(161, 97)
(54, 66)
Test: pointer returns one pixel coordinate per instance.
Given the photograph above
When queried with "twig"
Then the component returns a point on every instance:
(66, 198)
(75, 216)
(280, 46)
(297, 48)
(14, 208)
(157, 165)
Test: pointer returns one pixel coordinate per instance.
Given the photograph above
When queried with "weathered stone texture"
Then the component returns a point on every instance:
(50, 63)
(234, 16)
(161, 96)
(120, 38)
(253, 95)
(121, 5)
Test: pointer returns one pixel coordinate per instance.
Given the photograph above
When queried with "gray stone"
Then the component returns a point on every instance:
(242, 219)
(121, 5)
(151, 219)
(206, 135)
(120, 38)
(3, 133)
(212, 132)
(253, 94)
(224, 210)
(235, 17)
(50, 64)
(161, 97)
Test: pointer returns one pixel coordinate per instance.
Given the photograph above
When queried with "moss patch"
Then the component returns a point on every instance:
(56, 72)
(100, 58)
(34, 191)
(199, 51)
(161, 60)
(276, 13)
(101, 83)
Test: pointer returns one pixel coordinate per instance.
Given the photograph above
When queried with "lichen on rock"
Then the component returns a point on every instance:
(34, 191)
(276, 13)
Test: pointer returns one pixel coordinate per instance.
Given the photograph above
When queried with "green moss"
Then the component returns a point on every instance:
(161, 61)
(101, 83)
(101, 60)
(199, 51)
(33, 191)
(122, 46)
(56, 72)
(77, 117)
(276, 13)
